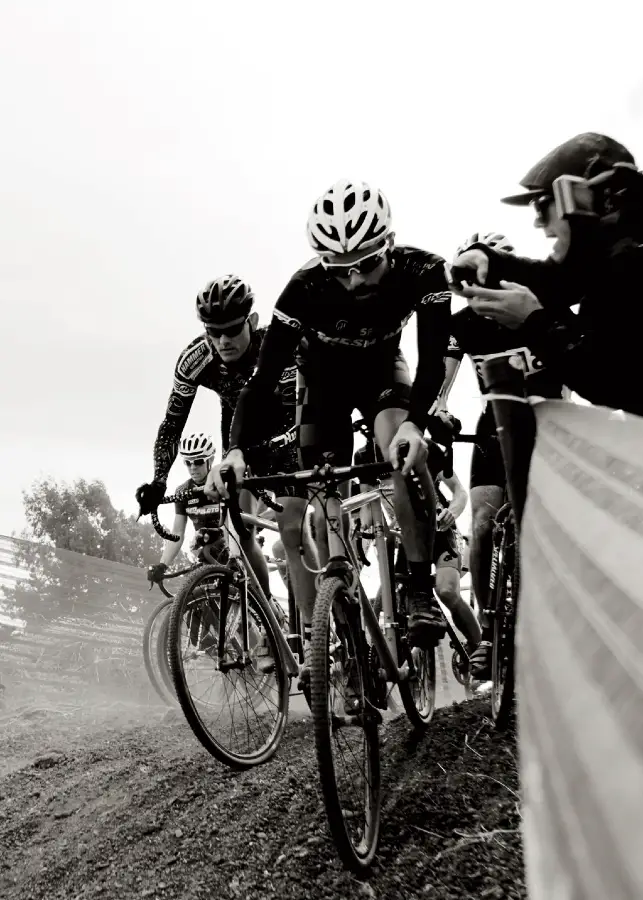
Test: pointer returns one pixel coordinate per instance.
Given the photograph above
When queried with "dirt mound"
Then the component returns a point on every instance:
(115, 810)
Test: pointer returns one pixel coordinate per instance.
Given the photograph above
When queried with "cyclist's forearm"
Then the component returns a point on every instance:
(433, 332)
(458, 503)
(171, 550)
(166, 446)
(277, 352)
(426, 387)
(451, 367)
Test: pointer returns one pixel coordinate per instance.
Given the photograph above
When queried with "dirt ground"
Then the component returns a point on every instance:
(121, 801)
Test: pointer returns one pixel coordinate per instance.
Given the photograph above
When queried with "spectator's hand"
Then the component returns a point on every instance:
(410, 434)
(445, 520)
(476, 260)
(156, 573)
(215, 485)
(148, 496)
(508, 306)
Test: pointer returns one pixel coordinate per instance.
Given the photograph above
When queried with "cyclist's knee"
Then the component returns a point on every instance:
(447, 586)
(290, 532)
(485, 502)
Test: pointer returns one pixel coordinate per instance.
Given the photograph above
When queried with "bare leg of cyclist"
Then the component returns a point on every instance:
(447, 587)
(292, 535)
(302, 581)
(426, 623)
(485, 503)
(250, 546)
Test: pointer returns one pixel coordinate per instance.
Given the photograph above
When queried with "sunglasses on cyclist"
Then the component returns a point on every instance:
(363, 266)
(541, 205)
(195, 462)
(227, 331)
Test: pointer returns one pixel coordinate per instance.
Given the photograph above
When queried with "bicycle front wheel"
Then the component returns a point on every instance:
(155, 652)
(417, 687)
(503, 653)
(236, 706)
(417, 690)
(345, 725)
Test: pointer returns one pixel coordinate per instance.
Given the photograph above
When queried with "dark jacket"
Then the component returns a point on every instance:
(595, 353)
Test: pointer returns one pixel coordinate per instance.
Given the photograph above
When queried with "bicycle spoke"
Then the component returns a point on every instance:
(237, 710)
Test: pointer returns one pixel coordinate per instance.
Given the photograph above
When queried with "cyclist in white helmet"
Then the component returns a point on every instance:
(481, 339)
(343, 312)
(197, 452)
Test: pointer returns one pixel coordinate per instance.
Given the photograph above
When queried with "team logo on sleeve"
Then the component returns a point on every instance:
(441, 297)
(194, 359)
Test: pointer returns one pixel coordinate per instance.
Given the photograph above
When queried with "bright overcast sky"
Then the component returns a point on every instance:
(148, 147)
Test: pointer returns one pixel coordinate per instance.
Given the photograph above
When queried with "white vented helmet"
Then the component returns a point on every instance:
(196, 446)
(349, 216)
(493, 239)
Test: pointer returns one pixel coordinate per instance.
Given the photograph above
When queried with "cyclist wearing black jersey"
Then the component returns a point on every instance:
(222, 359)
(197, 452)
(482, 339)
(343, 313)
(446, 550)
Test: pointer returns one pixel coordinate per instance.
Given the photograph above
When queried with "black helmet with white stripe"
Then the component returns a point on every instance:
(225, 300)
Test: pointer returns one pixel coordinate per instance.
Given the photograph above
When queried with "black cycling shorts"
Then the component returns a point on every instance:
(487, 467)
(325, 405)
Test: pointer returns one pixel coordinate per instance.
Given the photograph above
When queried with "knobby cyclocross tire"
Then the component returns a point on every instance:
(193, 597)
(504, 628)
(163, 656)
(355, 831)
(156, 662)
(417, 692)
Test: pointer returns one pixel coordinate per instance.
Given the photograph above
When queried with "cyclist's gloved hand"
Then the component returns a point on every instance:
(156, 573)
(444, 427)
(409, 437)
(149, 496)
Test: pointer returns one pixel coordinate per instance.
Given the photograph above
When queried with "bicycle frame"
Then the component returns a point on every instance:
(498, 528)
(291, 664)
(385, 644)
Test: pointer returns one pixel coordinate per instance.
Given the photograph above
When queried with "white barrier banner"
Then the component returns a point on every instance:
(580, 656)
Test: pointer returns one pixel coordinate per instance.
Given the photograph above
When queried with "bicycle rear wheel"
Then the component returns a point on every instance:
(155, 652)
(345, 725)
(503, 653)
(239, 713)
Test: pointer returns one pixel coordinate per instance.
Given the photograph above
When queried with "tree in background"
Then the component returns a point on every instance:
(82, 519)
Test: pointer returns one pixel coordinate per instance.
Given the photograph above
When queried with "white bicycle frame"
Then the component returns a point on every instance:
(384, 642)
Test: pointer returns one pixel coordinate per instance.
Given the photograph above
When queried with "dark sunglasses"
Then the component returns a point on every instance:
(228, 331)
(541, 205)
(195, 462)
(363, 266)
